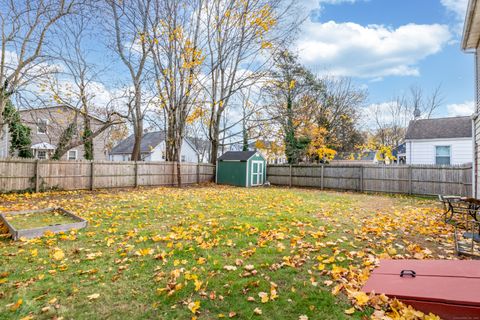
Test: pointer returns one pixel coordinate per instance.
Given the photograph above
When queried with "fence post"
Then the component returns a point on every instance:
(135, 168)
(198, 173)
(290, 181)
(360, 186)
(37, 175)
(410, 180)
(322, 168)
(92, 175)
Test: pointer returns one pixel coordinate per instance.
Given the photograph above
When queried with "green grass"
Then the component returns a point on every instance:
(37, 220)
(137, 240)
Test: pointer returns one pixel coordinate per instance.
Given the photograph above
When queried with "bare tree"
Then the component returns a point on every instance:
(25, 26)
(238, 34)
(391, 119)
(130, 29)
(177, 59)
(77, 85)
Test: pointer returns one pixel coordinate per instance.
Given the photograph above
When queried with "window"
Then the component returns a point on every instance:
(184, 158)
(72, 155)
(442, 155)
(41, 154)
(42, 125)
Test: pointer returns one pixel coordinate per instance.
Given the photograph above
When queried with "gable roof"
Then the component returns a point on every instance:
(441, 128)
(236, 155)
(149, 141)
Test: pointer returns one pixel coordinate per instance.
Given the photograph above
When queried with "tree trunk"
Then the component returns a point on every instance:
(138, 133)
(215, 140)
(179, 174)
(87, 142)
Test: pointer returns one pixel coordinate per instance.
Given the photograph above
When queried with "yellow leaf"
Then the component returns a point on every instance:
(93, 296)
(361, 298)
(263, 296)
(144, 252)
(198, 284)
(194, 306)
(58, 254)
(16, 305)
(350, 311)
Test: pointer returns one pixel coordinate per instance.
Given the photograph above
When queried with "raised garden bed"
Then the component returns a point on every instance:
(34, 223)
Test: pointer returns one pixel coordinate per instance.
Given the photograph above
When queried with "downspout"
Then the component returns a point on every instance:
(474, 135)
(474, 158)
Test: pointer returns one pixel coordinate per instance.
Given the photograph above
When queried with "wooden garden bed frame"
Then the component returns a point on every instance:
(38, 232)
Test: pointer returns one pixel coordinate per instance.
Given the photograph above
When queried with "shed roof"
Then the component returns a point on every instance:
(236, 155)
(149, 141)
(440, 128)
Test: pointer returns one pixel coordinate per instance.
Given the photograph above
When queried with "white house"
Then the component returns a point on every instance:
(152, 148)
(441, 141)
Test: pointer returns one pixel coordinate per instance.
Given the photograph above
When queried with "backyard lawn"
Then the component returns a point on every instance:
(215, 252)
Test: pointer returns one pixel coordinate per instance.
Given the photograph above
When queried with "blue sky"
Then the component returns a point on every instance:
(389, 45)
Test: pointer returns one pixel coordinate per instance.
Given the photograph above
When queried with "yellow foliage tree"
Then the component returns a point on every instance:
(317, 146)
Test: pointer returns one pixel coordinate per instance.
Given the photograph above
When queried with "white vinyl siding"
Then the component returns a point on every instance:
(424, 151)
(188, 154)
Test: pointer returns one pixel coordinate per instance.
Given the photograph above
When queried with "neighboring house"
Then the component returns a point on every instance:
(152, 148)
(400, 153)
(47, 125)
(471, 44)
(365, 157)
(203, 147)
(270, 151)
(442, 141)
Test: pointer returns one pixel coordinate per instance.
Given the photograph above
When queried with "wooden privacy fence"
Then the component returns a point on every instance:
(38, 175)
(407, 179)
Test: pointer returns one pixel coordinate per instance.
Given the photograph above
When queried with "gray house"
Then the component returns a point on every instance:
(48, 123)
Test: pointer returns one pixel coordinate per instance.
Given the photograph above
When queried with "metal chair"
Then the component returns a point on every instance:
(467, 238)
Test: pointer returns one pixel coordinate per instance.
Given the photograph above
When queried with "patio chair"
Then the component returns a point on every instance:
(467, 238)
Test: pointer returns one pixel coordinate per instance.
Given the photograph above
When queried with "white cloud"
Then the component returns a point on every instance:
(458, 7)
(461, 109)
(350, 49)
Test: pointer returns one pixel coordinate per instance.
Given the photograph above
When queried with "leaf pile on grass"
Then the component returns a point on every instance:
(217, 252)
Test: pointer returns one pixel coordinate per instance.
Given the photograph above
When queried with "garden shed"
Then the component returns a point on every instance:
(241, 168)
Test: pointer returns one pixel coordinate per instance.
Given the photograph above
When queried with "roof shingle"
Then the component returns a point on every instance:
(149, 141)
(441, 128)
(236, 155)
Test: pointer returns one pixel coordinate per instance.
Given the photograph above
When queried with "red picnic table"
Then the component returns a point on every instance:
(447, 288)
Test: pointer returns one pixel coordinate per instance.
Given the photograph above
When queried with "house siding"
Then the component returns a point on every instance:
(476, 125)
(156, 154)
(58, 120)
(423, 151)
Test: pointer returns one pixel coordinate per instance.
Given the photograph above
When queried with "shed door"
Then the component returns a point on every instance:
(257, 173)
